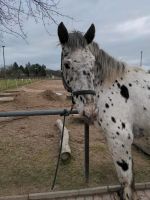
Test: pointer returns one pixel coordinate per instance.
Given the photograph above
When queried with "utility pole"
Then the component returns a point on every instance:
(4, 61)
(141, 58)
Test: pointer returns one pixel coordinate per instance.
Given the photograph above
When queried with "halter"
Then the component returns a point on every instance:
(69, 89)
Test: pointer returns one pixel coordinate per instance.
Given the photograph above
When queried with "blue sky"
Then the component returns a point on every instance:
(122, 30)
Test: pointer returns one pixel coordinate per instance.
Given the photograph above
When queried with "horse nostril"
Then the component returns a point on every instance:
(83, 113)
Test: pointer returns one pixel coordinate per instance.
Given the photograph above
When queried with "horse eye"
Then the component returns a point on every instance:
(67, 66)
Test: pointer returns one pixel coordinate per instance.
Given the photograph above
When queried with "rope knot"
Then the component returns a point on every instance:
(65, 113)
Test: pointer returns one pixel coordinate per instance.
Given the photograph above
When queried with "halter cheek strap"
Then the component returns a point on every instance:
(67, 87)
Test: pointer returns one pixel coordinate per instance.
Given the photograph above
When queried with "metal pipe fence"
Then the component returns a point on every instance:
(61, 112)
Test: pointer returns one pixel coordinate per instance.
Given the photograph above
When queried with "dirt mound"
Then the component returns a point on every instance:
(42, 99)
(52, 96)
(21, 98)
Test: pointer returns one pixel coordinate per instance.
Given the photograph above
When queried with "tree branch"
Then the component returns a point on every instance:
(13, 14)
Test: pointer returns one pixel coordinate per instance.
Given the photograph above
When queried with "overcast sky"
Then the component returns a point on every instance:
(122, 30)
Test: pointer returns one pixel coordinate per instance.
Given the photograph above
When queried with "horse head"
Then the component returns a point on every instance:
(77, 64)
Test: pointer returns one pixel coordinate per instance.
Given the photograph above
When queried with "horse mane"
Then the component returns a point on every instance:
(109, 67)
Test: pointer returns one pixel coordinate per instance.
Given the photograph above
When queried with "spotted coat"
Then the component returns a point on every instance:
(122, 101)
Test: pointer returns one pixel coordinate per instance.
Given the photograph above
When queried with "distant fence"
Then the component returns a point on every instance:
(6, 84)
(61, 112)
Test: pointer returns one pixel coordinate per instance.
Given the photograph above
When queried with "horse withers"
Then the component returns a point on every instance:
(122, 99)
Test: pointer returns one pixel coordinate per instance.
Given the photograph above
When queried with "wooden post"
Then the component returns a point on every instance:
(4, 62)
(66, 151)
(141, 58)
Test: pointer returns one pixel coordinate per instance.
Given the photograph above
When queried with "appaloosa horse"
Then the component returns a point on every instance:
(122, 100)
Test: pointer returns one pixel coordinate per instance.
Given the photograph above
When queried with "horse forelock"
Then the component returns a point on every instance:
(76, 40)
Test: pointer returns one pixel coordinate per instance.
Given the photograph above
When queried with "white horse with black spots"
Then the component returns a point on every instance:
(122, 100)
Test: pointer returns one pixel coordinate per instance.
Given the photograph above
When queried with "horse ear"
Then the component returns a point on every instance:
(90, 34)
(62, 33)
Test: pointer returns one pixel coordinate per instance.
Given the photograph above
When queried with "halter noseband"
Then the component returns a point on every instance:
(69, 89)
(83, 92)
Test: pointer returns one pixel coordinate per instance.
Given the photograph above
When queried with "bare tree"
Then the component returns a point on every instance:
(14, 12)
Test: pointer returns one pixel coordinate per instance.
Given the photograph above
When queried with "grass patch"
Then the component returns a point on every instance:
(33, 171)
(6, 84)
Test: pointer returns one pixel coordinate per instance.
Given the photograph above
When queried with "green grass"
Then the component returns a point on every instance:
(6, 84)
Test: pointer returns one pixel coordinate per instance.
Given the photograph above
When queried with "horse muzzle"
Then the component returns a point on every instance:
(90, 113)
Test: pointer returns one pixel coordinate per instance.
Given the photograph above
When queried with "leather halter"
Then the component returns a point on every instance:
(69, 89)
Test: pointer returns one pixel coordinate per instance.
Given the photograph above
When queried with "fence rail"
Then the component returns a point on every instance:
(37, 113)
(60, 112)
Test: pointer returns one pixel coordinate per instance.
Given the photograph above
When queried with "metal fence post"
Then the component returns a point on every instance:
(86, 151)
(61, 112)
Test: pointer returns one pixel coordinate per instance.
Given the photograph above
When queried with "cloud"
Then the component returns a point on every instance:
(122, 29)
(134, 28)
(126, 31)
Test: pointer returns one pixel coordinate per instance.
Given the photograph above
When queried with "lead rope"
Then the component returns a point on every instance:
(66, 113)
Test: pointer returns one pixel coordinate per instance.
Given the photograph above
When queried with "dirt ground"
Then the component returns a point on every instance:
(29, 146)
